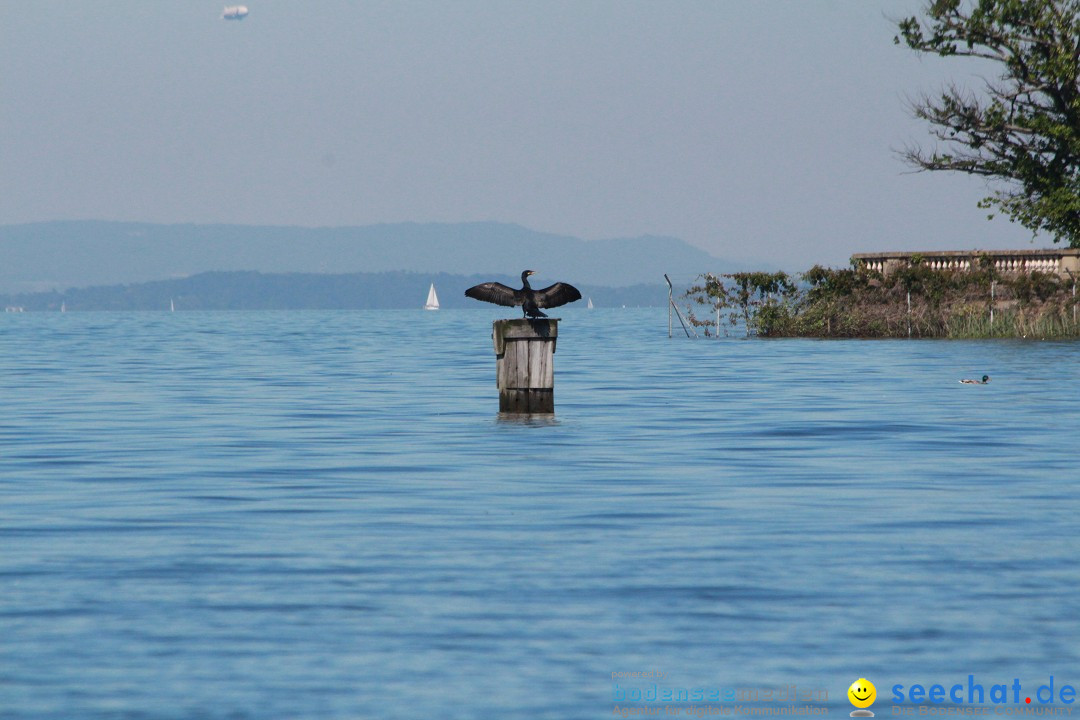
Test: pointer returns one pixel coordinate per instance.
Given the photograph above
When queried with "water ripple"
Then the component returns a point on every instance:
(323, 515)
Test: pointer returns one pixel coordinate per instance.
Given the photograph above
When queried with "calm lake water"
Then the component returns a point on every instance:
(320, 515)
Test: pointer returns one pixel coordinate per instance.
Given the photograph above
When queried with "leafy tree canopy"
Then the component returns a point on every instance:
(1023, 132)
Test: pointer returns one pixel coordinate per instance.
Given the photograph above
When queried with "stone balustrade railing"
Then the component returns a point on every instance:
(1065, 262)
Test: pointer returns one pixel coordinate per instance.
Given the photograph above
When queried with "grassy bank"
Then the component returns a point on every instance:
(916, 301)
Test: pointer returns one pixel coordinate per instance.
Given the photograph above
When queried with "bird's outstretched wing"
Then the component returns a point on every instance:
(555, 295)
(494, 292)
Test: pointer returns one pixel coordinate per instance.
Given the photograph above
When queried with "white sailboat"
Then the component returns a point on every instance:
(590, 303)
(172, 306)
(432, 299)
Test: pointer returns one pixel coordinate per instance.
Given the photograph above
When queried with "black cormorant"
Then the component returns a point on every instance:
(530, 300)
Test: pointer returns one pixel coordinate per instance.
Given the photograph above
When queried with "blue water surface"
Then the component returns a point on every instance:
(321, 515)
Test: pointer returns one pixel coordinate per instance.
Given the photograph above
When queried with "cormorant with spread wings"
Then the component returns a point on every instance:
(530, 300)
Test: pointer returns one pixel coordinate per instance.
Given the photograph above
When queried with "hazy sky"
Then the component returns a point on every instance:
(755, 129)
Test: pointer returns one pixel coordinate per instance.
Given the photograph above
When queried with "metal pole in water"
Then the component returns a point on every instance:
(670, 304)
(673, 306)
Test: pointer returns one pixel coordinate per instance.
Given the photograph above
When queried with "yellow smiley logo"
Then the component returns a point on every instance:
(862, 693)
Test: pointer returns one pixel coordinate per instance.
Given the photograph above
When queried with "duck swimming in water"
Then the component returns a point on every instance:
(985, 379)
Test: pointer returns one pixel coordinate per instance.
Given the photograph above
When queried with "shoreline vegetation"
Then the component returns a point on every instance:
(910, 302)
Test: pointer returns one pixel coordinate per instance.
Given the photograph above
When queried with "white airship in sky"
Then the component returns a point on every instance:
(234, 12)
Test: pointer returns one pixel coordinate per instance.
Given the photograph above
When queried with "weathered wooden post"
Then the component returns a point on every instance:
(525, 365)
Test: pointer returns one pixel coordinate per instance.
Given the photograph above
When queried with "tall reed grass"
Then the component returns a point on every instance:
(1048, 325)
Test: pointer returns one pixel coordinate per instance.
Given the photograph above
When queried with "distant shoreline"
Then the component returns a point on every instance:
(247, 290)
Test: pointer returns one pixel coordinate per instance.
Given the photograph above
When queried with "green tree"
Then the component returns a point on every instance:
(752, 293)
(1022, 132)
(712, 294)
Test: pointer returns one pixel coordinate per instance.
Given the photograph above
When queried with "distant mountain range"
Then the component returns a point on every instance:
(60, 255)
(245, 290)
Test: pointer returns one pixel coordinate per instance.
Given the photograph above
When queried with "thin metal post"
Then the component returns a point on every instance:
(909, 314)
(993, 301)
(670, 304)
(673, 306)
(682, 322)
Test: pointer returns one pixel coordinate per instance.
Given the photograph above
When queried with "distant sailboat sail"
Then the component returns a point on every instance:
(432, 299)
(590, 303)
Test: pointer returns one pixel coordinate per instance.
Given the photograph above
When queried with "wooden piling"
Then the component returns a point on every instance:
(524, 364)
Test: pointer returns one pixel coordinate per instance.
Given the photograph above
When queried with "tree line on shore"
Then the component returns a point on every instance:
(915, 301)
(1018, 131)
